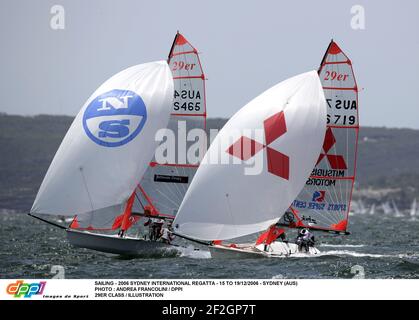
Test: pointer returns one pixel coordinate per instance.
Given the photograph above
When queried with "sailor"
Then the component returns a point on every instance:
(154, 227)
(166, 234)
(272, 234)
(305, 239)
(157, 226)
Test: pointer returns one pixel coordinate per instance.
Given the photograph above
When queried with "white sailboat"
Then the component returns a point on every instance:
(320, 202)
(386, 208)
(107, 149)
(162, 187)
(105, 174)
(223, 201)
(396, 210)
(325, 201)
(372, 210)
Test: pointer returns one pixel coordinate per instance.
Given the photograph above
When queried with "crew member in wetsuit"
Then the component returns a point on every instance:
(305, 239)
(166, 234)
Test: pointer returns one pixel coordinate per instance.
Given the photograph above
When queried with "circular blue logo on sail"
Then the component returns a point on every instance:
(115, 118)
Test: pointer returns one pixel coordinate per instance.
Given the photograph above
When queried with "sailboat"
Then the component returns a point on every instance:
(311, 121)
(234, 202)
(325, 201)
(108, 183)
(372, 209)
(396, 210)
(386, 208)
(413, 209)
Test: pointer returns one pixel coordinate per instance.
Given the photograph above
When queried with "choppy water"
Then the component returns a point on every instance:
(384, 246)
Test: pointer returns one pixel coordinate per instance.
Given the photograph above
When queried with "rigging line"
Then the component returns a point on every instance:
(182, 187)
(49, 222)
(324, 215)
(161, 205)
(170, 193)
(88, 193)
(336, 149)
(231, 213)
(188, 72)
(177, 187)
(332, 192)
(206, 243)
(139, 200)
(164, 195)
(333, 189)
(347, 195)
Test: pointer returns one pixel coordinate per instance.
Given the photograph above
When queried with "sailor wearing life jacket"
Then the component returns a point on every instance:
(166, 234)
(305, 239)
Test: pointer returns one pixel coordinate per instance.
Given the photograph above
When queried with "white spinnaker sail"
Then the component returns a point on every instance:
(109, 144)
(165, 184)
(223, 202)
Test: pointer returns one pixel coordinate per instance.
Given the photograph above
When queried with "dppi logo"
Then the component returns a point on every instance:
(115, 118)
(318, 196)
(27, 290)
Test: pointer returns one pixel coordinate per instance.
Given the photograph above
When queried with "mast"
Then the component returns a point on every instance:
(165, 184)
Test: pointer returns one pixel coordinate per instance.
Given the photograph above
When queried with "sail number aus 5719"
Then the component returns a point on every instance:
(341, 119)
(342, 104)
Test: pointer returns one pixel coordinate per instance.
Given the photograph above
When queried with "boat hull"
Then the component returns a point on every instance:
(117, 245)
(250, 251)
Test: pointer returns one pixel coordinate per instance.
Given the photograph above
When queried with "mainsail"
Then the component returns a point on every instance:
(109, 145)
(164, 184)
(324, 203)
(281, 131)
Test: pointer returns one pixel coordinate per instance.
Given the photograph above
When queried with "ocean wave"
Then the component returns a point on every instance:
(342, 245)
(192, 252)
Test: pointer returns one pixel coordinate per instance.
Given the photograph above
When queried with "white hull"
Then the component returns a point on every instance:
(276, 249)
(117, 245)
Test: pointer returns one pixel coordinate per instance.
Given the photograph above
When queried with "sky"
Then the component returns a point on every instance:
(246, 47)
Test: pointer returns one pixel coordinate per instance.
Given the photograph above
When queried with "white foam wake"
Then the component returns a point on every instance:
(192, 252)
(355, 254)
(342, 245)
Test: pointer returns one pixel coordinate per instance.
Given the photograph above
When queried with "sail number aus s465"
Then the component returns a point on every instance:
(187, 100)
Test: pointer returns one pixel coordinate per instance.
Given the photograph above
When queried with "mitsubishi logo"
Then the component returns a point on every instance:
(278, 163)
(336, 162)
